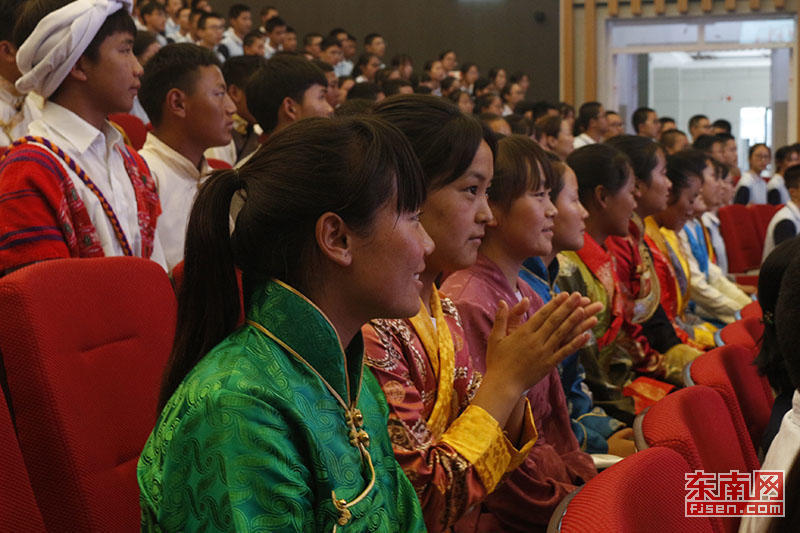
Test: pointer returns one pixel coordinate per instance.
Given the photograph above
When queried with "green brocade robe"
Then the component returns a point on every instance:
(252, 440)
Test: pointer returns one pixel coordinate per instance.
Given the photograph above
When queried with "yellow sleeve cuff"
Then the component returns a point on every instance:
(478, 437)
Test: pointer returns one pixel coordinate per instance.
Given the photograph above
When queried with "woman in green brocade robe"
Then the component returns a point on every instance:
(275, 425)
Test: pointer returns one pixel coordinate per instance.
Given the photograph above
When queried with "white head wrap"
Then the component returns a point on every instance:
(59, 40)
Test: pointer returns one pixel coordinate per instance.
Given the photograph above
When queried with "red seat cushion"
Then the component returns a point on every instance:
(85, 342)
(761, 215)
(742, 243)
(730, 371)
(752, 310)
(643, 492)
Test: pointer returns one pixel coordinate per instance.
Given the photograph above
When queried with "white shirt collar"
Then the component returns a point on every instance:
(175, 158)
(77, 131)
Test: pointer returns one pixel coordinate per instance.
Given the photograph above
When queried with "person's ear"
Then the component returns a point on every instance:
(8, 52)
(601, 196)
(175, 102)
(78, 71)
(290, 109)
(334, 239)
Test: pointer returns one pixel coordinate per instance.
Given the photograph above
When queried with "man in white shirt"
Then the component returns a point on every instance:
(591, 123)
(184, 94)
(172, 26)
(276, 31)
(78, 191)
(210, 27)
(184, 33)
(267, 12)
(786, 222)
(645, 123)
(17, 109)
(785, 157)
(155, 20)
(239, 24)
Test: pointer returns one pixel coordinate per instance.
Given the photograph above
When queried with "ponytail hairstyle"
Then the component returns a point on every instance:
(643, 153)
(350, 166)
(444, 139)
(521, 165)
(598, 164)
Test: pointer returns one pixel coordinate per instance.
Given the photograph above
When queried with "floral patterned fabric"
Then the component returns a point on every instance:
(253, 440)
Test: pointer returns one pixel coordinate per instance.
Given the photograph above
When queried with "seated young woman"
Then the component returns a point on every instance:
(596, 431)
(274, 425)
(456, 431)
(633, 261)
(522, 227)
(620, 353)
(684, 171)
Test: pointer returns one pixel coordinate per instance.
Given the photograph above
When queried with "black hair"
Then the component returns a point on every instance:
(237, 9)
(494, 71)
(466, 66)
(355, 106)
(770, 361)
(517, 76)
(290, 29)
(284, 75)
(447, 83)
(401, 59)
(444, 139)
(8, 14)
(566, 109)
(787, 316)
(753, 148)
(348, 166)
(521, 165)
(336, 31)
(670, 137)
(484, 101)
(725, 137)
(392, 87)
(640, 117)
(327, 42)
(481, 83)
(540, 108)
(371, 37)
(322, 65)
(681, 167)
(363, 61)
(557, 178)
(238, 69)
(251, 37)
(274, 22)
(598, 165)
(547, 126)
(445, 52)
(520, 125)
(642, 152)
(175, 66)
(365, 91)
(267, 9)
(142, 41)
(705, 142)
(203, 20)
(791, 178)
(695, 120)
(723, 124)
(587, 112)
(150, 7)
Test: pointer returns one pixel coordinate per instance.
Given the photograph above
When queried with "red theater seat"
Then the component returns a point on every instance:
(18, 510)
(752, 310)
(133, 127)
(742, 242)
(746, 332)
(85, 342)
(730, 371)
(761, 215)
(643, 492)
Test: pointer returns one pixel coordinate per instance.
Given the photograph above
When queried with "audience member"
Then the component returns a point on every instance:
(376, 45)
(254, 44)
(645, 123)
(752, 187)
(210, 27)
(184, 94)
(267, 13)
(674, 141)
(289, 40)
(699, 125)
(155, 20)
(105, 202)
(512, 94)
(240, 22)
(591, 126)
(275, 32)
(554, 134)
(786, 222)
(666, 124)
(785, 157)
(616, 126)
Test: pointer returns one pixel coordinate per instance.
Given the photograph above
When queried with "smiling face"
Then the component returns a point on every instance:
(652, 197)
(526, 227)
(456, 215)
(568, 224)
(679, 212)
(388, 261)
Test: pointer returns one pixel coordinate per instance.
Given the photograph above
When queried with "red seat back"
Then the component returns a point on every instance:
(746, 332)
(761, 215)
(643, 492)
(85, 342)
(742, 242)
(18, 509)
(696, 423)
(730, 371)
(752, 310)
(133, 126)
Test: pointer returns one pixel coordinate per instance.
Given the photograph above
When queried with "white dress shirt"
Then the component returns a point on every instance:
(177, 181)
(781, 456)
(233, 42)
(269, 51)
(777, 183)
(711, 222)
(97, 153)
(788, 212)
(582, 140)
(756, 185)
(171, 28)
